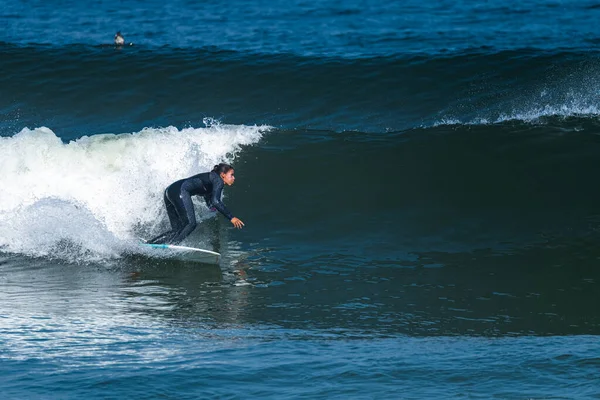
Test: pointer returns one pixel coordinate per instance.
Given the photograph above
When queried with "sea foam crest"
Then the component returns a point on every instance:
(535, 114)
(573, 94)
(98, 191)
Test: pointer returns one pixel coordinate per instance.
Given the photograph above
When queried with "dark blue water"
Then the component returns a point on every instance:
(418, 182)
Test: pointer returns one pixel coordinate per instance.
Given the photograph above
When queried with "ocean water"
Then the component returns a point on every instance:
(418, 180)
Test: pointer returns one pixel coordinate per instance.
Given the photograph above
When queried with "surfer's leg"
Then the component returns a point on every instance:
(162, 238)
(185, 211)
(173, 219)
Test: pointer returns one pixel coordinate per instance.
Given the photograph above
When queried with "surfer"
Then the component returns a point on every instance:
(179, 205)
(119, 39)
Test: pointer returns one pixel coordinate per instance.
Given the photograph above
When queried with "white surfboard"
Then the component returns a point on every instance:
(182, 253)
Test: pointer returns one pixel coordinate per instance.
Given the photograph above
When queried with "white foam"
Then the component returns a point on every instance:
(98, 191)
(573, 94)
(534, 115)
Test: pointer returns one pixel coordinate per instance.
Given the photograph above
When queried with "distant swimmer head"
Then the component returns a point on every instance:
(225, 171)
(119, 39)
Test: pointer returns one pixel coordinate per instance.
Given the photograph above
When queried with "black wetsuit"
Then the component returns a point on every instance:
(178, 200)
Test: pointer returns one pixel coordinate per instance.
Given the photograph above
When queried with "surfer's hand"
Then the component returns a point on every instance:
(237, 222)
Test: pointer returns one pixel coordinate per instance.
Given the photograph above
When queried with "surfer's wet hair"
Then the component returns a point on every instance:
(222, 168)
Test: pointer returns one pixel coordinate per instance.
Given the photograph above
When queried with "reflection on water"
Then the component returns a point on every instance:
(327, 318)
(545, 289)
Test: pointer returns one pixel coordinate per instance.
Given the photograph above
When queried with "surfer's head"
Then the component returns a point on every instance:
(225, 171)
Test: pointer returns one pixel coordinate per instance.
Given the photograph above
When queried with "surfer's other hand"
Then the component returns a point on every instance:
(237, 222)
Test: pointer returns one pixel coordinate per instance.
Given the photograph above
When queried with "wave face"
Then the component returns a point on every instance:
(92, 90)
(491, 130)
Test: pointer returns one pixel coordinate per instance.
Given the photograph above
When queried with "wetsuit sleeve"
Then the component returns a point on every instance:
(215, 198)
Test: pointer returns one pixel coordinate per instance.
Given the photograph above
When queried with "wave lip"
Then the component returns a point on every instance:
(110, 184)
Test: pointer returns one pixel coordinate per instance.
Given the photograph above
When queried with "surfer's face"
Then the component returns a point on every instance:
(228, 178)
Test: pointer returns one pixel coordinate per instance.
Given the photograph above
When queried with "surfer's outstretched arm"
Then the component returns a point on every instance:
(215, 199)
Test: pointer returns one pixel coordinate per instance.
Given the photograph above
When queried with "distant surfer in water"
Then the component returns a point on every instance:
(119, 39)
(178, 200)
